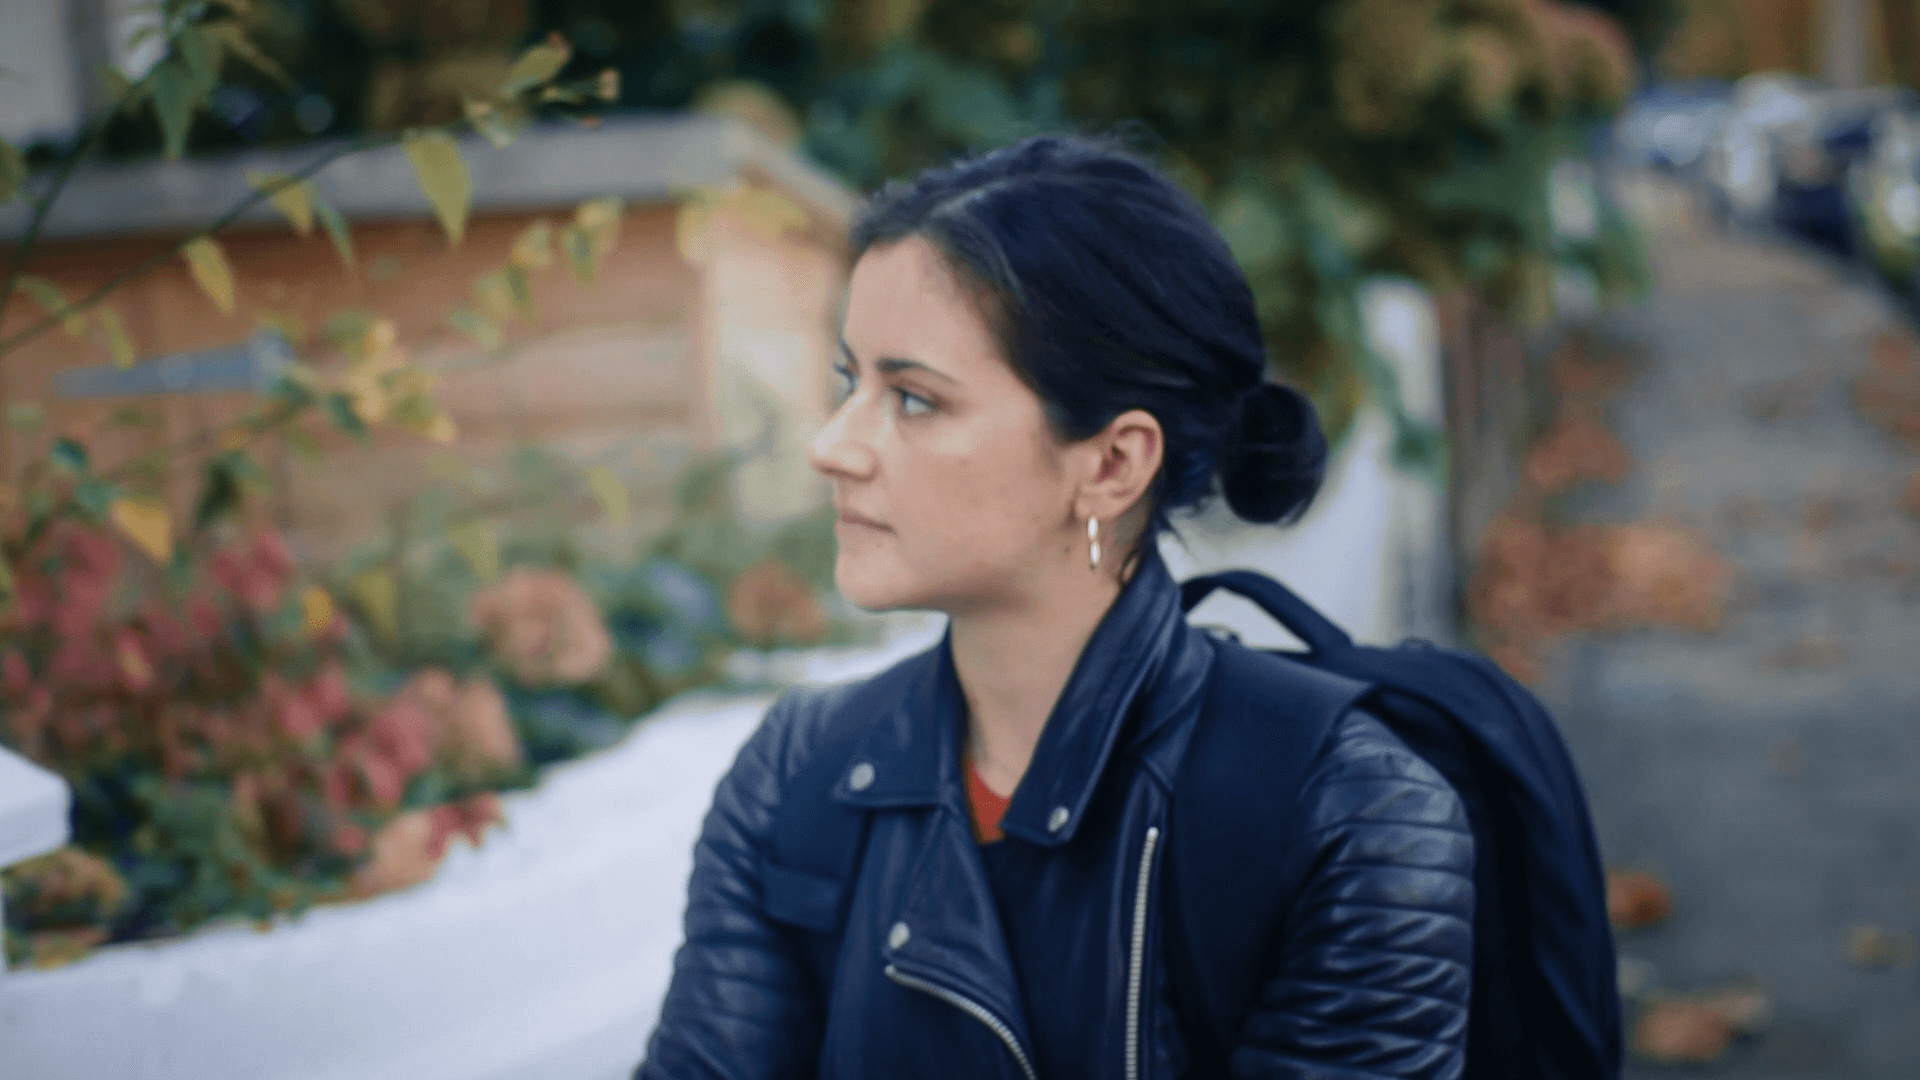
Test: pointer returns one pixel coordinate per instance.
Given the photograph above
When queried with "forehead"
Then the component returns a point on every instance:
(903, 302)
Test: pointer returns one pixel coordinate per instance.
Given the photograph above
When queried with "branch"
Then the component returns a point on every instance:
(160, 258)
(96, 129)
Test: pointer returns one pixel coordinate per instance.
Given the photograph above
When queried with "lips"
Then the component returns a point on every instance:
(848, 517)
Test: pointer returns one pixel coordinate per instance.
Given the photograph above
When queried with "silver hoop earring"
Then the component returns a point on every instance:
(1093, 543)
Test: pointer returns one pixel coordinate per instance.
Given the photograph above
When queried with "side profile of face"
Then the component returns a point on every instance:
(951, 489)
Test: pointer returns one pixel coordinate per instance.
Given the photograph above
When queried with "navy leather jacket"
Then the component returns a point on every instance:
(1043, 955)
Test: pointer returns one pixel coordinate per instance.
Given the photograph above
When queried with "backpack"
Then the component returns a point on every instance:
(1545, 1002)
(1544, 1005)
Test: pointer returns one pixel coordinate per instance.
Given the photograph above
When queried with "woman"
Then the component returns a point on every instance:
(1046, 351)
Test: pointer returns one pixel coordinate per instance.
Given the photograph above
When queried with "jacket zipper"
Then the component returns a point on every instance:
(1136, 961)
(971, 1008)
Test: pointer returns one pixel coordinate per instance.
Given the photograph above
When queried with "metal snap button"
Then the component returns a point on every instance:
(898, 936)
(861, 778)
(1058, 819)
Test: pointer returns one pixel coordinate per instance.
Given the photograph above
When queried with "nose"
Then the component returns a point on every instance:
(843, 449)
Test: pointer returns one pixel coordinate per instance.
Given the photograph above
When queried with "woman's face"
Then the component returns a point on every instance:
(951, 490)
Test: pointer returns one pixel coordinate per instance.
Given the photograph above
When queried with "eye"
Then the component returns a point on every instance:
(912, 404)
(843, 381)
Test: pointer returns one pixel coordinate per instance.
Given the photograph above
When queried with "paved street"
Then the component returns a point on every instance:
(1768, 771)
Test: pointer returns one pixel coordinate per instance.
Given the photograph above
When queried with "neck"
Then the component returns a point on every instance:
(1014, 660)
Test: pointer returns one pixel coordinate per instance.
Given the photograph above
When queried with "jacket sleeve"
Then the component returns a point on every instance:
(739, 1005)
(1374, 974)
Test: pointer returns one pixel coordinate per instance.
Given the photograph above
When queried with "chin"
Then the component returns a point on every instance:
(871, 586)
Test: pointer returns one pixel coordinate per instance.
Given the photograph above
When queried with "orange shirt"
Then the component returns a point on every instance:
(986, 807)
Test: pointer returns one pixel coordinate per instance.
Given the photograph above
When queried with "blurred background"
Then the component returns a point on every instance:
(404, 513)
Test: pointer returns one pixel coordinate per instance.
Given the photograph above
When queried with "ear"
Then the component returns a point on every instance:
(1121, 462)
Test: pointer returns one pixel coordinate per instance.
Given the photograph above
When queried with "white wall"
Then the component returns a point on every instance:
(40, 93)
(1371, 552)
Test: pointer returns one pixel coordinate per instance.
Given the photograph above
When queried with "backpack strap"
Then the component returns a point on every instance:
(1236, 798)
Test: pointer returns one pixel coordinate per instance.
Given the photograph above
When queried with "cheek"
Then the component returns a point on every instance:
(979, 501)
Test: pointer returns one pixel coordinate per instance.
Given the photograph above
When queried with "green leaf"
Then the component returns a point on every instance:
(234, 37)
(303, 444)
(68, 454)
(173, 102)
(577, 246)
(227, 478)
(616, 503)
(500, 124)
(49, 297)
(95, 497)
(336, 226)
(26, 416)
(495, 295)
(199, 50)
(478, 545)
(535, 67)
(294, 199)
(476, 326)
(520, 285)
(13, 172)
(117, 339)
(442, 173)
(137, 416)
(339, 409)
(114, 86)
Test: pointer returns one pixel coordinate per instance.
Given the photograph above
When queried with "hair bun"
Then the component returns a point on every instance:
(1274, 460)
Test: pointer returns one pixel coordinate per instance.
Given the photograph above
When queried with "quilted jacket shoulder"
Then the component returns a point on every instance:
(1375, 976)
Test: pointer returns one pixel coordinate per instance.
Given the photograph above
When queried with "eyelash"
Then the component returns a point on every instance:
(907, 397)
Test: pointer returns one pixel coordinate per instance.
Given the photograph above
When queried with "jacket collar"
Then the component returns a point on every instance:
(911, 753)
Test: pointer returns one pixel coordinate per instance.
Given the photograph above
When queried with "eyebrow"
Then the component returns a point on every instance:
(891, 364)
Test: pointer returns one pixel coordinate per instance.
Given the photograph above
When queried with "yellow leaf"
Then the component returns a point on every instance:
(379, 598)
(615, 502)
(442, 173)
(293, 200)
(117, 339)
(533, 248)
(601, 213)
(770, 213)
(477, 544)
(537, 66)
(210, 271)
(316, 610)
(48, 296)
(441, 428)
(690, 228)
(146, 522)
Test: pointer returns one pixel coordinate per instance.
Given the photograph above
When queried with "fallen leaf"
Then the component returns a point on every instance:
(1871, 946)
(1636, 898)
(1811, 651)
(1681, 1031)
(1746, 1007)
(1576, 450)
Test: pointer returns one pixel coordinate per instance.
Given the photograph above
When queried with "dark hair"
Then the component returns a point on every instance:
(1108, 290)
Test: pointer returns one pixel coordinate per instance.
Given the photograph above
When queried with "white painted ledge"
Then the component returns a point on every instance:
(33, 809)
(542, 955)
